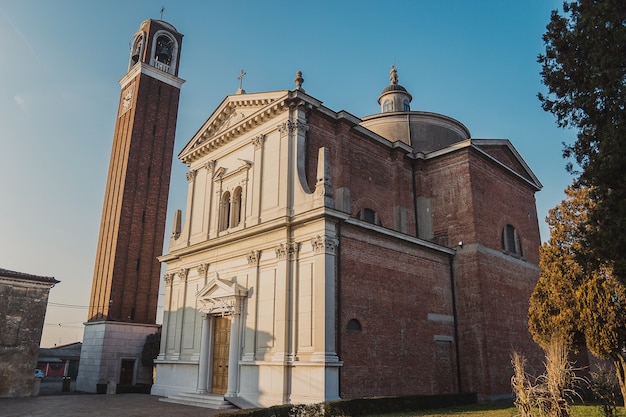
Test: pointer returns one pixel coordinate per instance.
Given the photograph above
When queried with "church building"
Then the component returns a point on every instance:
(320, 255)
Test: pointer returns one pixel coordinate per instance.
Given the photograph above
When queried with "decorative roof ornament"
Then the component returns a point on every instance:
(240, 90)
(394, 97)
(299, 81)
(393, 75)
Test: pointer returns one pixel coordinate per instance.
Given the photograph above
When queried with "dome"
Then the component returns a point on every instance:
(393, 87)
(423, 131)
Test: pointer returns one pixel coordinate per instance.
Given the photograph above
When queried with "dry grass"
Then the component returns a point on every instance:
(497, 410)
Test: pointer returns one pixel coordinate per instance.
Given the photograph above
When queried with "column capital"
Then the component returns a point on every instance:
(253, 257)
(287, 250)
(183, 274)
(203, 268)
(324, 244)
(257, 141)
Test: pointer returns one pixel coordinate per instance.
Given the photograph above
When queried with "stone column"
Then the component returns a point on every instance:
(168, 278)
(191, 180)
(203, 365)
(233, 356)
(253, 214)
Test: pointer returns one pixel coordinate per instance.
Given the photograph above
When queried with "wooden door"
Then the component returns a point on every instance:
(221, 345)
(126, 372)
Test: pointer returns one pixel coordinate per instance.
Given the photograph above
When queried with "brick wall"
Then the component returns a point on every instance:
(400, 294)
(127, 273)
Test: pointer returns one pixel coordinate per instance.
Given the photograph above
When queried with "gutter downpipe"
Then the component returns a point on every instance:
(414, 194)
(456, 326)
(338, 298)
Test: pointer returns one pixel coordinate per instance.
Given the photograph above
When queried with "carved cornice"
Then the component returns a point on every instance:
(324, 244)
(287, 250)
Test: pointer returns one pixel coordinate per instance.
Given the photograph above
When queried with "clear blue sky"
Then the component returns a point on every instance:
(61, 62)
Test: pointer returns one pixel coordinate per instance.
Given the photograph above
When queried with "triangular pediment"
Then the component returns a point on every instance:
(221, 296)
(503, 151)
(236, 115)
(221, 288)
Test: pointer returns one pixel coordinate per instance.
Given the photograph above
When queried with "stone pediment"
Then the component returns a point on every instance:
(236, 115)
(220, 296)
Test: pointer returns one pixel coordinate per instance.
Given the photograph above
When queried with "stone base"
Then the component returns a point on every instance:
(106, 344)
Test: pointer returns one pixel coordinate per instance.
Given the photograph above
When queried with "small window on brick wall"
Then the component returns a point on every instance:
(354, 326)
(511, 241)
(370, 216)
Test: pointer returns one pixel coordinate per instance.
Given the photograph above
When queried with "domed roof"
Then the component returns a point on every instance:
(393, 87)
(423, 131)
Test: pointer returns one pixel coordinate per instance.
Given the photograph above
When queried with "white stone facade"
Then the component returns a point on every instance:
(240, 254)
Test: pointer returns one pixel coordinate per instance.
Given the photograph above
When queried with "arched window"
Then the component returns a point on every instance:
(164, 49)
(354, 326)
(387, 106)
(370, 216)
(511, 241)
(225, 211)
(137, 50)
(407, 106)
(236, 208)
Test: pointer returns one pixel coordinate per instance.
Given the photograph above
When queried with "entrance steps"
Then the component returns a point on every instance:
(216, 402)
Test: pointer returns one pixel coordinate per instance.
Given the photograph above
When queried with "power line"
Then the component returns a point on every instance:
(66, 305)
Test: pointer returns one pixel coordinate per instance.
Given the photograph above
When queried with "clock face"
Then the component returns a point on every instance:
(127, 99)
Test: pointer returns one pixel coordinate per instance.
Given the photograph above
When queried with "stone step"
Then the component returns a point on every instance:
(215, 402)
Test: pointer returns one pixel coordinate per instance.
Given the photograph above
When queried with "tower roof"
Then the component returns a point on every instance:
(396, 93)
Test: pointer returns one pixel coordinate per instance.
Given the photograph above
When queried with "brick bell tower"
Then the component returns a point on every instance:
(124, 293)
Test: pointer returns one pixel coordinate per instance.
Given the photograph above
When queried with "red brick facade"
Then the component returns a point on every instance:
(127, 272)
(442, 313)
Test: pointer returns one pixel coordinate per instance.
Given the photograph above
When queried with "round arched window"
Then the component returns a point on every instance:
(164, 49)
(354, 326)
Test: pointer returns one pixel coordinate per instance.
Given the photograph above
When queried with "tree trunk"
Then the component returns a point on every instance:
(620, 369)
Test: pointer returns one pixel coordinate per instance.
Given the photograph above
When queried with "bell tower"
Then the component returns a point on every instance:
(124, 293)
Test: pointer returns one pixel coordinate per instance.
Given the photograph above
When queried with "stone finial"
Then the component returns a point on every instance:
(299, 81)
(393, 75)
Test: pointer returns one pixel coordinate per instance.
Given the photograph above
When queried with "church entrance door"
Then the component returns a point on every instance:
(219, 384)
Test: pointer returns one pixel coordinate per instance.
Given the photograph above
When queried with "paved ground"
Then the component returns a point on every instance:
(52, 402)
